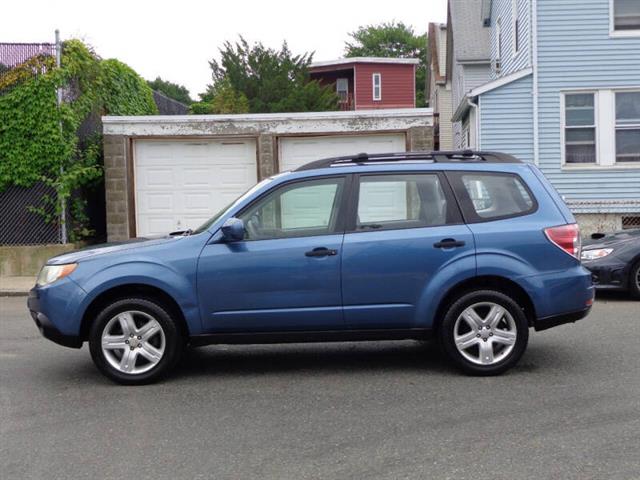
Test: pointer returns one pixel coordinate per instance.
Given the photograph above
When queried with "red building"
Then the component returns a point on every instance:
(365, 83)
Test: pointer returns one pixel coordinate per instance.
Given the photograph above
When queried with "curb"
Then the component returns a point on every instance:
(13, 294)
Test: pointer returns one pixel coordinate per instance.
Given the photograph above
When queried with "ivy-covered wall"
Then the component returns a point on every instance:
(39, 140)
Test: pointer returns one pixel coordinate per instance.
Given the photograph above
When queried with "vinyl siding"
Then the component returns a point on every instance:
(506, 119)
(443, 107)
(476, 75)
(510, 63)
(398, 86)
(576, 51)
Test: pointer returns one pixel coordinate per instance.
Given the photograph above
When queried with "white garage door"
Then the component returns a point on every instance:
(180, 184)
(296, 151)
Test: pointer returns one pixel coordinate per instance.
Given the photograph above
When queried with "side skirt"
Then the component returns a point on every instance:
(243, 338)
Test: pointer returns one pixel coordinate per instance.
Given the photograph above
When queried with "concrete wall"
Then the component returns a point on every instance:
(27, 261)
(120, 132)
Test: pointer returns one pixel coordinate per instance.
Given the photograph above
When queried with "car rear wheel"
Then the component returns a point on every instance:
(484, 332)
(634, 281)
(134, 341)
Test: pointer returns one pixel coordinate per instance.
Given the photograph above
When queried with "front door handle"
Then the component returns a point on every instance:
(321, 252)
(449, 243)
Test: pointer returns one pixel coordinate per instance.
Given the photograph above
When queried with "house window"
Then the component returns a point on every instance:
(377, 86)
(499, 39)
(626, 15)
(580, 128)
(342, 89)
(627, 126)
(516, 26)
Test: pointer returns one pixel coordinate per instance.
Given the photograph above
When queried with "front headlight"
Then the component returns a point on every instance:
(595, 254)
(51, 273)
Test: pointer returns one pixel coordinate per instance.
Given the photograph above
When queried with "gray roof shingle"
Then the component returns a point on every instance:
(471, 40)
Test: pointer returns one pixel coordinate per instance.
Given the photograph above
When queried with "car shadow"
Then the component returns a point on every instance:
(328, 358)
(612, 296)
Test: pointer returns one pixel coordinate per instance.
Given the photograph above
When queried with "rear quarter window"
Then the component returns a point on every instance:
(486, 196)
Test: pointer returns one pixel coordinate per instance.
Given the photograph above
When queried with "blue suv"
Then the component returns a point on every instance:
(472, 248)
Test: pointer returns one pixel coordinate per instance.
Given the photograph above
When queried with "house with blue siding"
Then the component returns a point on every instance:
(564, 93)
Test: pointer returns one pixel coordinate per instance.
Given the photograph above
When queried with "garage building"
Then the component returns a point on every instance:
(165, 173)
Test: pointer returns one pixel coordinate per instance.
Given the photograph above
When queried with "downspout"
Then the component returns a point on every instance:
(476, 110)
(534, 65)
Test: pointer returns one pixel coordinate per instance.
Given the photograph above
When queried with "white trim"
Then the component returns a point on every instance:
(268, 123)
(563, 128)
(535, 94)
(346, 61)
(612, 25)
(499, 41)
(500, 82)
(374, 97)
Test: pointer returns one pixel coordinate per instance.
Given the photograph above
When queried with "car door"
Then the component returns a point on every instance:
(285, 274)
(404, 230)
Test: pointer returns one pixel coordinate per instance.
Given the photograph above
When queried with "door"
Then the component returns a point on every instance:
(296, 151)
(404, 228)
(179, 184)
(285, 274)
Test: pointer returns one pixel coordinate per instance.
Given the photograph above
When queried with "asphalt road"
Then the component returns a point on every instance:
(570, 410)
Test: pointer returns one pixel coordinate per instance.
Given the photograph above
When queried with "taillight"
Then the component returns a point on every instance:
(566, 237)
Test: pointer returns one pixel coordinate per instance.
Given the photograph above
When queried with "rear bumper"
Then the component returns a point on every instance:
(557, 320)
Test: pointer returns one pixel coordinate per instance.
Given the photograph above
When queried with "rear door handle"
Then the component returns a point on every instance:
(449, 243)
(321, 252)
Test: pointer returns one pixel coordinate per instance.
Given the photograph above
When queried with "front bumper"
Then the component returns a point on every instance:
(47, 328)
(608, 274)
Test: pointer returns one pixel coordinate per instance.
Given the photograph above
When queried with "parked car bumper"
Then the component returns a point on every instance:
(557, 320)
(609, 274)
(52, 309)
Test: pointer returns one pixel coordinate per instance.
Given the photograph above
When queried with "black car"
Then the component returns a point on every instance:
(614, 261)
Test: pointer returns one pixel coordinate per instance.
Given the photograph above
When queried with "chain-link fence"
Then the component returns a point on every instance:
(27, 215)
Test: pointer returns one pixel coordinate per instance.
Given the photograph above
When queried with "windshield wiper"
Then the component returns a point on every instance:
(184, 233)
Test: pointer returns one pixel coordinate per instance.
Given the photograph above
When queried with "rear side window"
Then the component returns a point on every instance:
(401, 201)
(493, 196)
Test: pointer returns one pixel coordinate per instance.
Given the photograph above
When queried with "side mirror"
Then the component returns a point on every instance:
(233, 230)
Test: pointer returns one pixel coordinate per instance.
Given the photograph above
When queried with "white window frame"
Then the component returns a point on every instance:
(635, 126)
(563, 128)
(605, 116)
(612, 24)
(515, 27)
(378, 76)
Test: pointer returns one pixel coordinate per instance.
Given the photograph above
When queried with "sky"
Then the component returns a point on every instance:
(177, 39)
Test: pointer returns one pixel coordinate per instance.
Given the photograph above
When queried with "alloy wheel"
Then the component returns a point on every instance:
(485, 333)
(133, 342)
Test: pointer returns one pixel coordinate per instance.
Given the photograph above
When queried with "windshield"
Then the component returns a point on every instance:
(217, 216)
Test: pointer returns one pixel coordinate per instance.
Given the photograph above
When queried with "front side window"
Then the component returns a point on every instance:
(300, 209)
(401, 201)
(580, 128)
(627, 126)
(626, 15)
(495, 195)
(377, 86)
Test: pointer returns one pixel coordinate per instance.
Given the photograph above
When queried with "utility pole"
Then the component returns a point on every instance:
(63, 204)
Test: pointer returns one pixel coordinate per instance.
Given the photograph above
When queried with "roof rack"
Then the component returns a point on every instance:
(470, 156)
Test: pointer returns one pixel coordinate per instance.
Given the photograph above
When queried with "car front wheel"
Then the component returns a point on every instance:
(634, 281)
(134, 341)
(484, 332)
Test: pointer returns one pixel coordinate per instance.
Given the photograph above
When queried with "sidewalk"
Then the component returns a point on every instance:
(16, 286)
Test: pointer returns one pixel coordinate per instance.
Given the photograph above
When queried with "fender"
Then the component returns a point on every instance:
(438, 286)
(148, 272)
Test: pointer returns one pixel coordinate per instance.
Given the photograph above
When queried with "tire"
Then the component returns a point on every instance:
(634, 281)
(141, 329)
(488, 347)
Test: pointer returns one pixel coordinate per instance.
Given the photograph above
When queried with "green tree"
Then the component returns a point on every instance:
(171, 90)
(224, 100)
(391, 39)
(271, 80)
